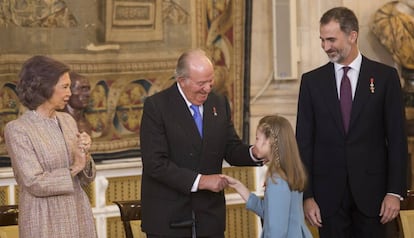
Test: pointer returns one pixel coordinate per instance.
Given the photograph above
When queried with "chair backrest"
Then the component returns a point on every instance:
(9, 215)
(406, 205)
(130, 210)
(408, 202)
(407, 223)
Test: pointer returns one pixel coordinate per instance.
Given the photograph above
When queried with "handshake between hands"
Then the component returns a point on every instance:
(216, 182)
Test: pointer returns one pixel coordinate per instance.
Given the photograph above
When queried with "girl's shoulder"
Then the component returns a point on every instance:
(278, 186)
(276, 180)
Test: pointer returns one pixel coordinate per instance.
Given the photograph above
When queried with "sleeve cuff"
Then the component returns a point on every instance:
(396, 195)
(256, 160)
(194, 188)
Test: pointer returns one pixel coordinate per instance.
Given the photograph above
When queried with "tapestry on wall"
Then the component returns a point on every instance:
(127, 50)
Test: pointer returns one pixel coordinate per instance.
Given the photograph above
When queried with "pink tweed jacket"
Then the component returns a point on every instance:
(51, 202)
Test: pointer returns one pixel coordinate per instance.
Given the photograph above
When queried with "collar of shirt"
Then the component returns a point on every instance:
(353, 73)
(201, 107)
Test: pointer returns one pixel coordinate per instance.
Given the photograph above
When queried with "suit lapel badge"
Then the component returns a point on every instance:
(372, 85)
(214, 111)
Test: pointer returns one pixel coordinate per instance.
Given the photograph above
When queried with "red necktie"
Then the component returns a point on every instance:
(345, 98)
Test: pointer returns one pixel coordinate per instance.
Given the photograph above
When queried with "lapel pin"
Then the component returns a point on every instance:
(214, 111)
(371, 85)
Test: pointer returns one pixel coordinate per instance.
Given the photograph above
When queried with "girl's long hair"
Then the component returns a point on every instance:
(285, 159)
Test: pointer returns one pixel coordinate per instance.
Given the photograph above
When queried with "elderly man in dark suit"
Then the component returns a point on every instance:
(181, 162)
(350, 132)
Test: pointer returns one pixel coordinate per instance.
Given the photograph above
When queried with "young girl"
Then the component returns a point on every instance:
(281, 209)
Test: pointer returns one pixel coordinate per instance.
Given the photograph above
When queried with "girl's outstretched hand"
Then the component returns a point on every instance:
(238, 186)
(232, 181)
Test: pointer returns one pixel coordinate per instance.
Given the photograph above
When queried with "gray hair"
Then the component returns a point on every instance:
(182, 68)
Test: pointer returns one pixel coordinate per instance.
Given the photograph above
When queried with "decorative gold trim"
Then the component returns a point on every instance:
(4, 195)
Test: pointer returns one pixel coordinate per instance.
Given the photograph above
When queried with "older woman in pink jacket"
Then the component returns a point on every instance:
(50, 158)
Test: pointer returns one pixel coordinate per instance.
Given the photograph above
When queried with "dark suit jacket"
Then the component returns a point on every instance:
(173, 154)
(372, 157)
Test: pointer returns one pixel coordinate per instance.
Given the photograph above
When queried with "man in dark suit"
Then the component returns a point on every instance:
(355, 149)
(181, 166)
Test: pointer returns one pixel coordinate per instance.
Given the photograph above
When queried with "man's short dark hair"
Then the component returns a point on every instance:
(345, 17)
